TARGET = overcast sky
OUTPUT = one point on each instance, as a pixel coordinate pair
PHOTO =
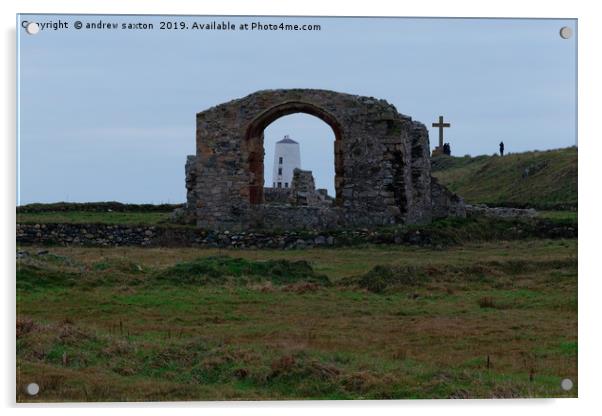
(110, 114)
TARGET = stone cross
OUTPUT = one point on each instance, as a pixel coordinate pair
(441, 125)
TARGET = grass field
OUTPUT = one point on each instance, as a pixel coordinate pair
(541, 179)
(92, 217)
(162, 218)
(496, 319)
(559, 215)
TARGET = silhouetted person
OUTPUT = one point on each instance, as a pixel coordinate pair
(501, 148)
(447, 149)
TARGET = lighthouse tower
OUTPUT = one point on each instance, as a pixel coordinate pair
(286, 159)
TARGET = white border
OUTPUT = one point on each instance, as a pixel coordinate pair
(590, 152)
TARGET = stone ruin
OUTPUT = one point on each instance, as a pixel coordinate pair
(302, 192)
(382, 167)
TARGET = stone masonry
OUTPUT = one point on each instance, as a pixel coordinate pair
(382, 164)
(304, 190)
(107, 235)
(444, 202)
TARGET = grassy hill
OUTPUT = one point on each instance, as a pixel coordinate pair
(539, 179)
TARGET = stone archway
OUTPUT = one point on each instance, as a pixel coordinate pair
(254, 139)
(382, 164)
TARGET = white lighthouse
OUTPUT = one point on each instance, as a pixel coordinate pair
(286, 158)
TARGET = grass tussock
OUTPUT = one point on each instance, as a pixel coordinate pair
(36, 277)
(499, 274)
(225, 269)
(50, 270)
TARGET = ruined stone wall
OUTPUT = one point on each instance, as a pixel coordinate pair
(381, 175)
(105, 235)
(444, 202)
(304, 188)
(187, 213)
(277, 195)
(292, 217)
(420, 176)
(190, 171)
(499, 212)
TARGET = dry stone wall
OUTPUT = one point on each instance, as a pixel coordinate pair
(104, 235)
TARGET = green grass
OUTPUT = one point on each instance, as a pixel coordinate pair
(567, 216)
(224, 269)
(113, 324)
(91, 217)
(551, 182)
(104, 206)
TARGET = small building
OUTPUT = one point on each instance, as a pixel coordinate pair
(287, 158)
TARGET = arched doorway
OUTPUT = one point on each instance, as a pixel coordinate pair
(255, 141)
(306, 136)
